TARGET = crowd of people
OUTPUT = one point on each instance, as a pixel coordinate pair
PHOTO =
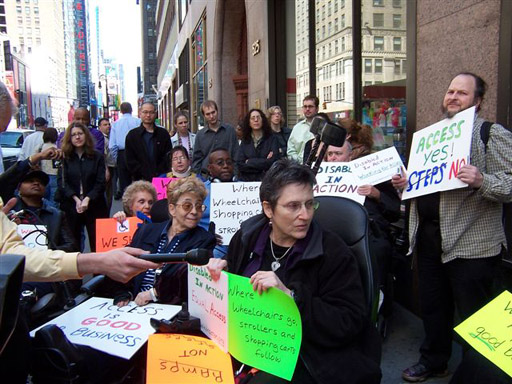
(69, 181)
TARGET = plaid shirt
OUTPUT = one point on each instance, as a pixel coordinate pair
(471, 219)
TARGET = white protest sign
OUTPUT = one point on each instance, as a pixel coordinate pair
(437, 153)
(118, 331)
(34, 236)
(336, 179)
(377, 167)
(208, 300)
(231, 204)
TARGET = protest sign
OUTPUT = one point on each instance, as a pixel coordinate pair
(34, 236)
(209, 301)
(111, 234)
(174, 358)
(231, 204)
(377, 167)
(337, 179)
(489, 331)
(160, 184)
(437, 153)
(119, 331)
(263, 331)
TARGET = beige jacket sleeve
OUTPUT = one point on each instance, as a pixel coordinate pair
(40, 265)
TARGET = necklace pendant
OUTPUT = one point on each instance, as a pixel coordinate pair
(275, 265)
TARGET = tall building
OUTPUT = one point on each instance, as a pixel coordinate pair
(149, 67)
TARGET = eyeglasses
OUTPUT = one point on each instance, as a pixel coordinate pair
(256, 117)
(187, 207)
(337, 153)
(308, 106)
(221, 162)
(180, 158)
(147, 112)
(77, 134)
(295, 206)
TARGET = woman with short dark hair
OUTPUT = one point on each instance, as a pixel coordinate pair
(284, 248)
(258, 149)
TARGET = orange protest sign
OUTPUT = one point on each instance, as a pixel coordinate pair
(175, 358)
(111, 234)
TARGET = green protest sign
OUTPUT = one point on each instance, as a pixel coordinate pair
(265, 330)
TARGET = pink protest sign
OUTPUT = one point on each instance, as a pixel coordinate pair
(160, 183)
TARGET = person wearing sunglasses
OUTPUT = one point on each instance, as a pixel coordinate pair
(284, 248)
(168, 284)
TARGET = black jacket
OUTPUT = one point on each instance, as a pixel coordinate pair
(90, 171)
(59, 233)
(282, 140)
(339, 345)
(172, 283)
(10, 179)
(137, 157)
(252, 162)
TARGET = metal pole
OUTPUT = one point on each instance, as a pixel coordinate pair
(312, 47)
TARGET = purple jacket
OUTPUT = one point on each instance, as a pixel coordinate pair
(99, 140)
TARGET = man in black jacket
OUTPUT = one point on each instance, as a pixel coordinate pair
(147, 147)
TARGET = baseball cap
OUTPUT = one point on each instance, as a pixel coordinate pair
(40, 175)
(40, 121)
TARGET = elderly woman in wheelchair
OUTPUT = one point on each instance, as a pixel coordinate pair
(285, 248)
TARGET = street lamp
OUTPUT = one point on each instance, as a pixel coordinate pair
(105, 109)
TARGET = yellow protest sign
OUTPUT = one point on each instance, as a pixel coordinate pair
(184, 359)
(489, 331)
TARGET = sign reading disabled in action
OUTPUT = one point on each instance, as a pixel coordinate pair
(489, 331)
(118, 331)
(160, 184)
(184, 359)
(263, 331)
(111, 234)
(437, 154)
(337, 179)
(231, 204)
(377, 167)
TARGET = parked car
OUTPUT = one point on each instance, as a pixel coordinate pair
(11, 142)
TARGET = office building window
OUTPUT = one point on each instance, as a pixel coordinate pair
(378, 43)
(397, 69)
(336, 25)
(378, 65)
(397, 43)
(397, 21)
(343, 21)
(378, 3)
(368, 65)
(378, 19)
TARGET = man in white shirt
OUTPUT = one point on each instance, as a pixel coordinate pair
(116, 144)
(34, 141)
(300, 133)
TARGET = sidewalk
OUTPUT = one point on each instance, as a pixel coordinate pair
(400, 349)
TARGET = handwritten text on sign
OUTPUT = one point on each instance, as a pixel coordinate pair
(184, 359)
(111, 234)
(437, 153)
(231, 204)
(160, 184)
(263, 331)
(209, 301)
(489, 331)
(377, 167)
(104, 326)
(336, 179)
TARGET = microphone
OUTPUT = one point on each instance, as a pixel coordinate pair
(194, 256)
(332, 134)
(316, 128)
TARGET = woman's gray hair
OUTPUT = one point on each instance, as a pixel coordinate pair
(132, 189)
(282, 173)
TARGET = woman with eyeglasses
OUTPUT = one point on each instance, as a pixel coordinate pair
(168, 284)
(258, 149)
(284, 248)
(81, 183)
(281, 132)
(179, 163)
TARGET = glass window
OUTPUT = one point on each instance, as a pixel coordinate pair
(378, 65)
(28, 19)
(397, 43)
(18, 8)
(343, 44)
(336, 47)
(397, 3)
(20, 20)
(378, 19)
(378, 43)
(336, 25)
(378, 3)
(368, 65)
(397, 67)
(397, 21)
(27, 10)
(343, 21)
(36, 10)
(404, 67)
(329, 30)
